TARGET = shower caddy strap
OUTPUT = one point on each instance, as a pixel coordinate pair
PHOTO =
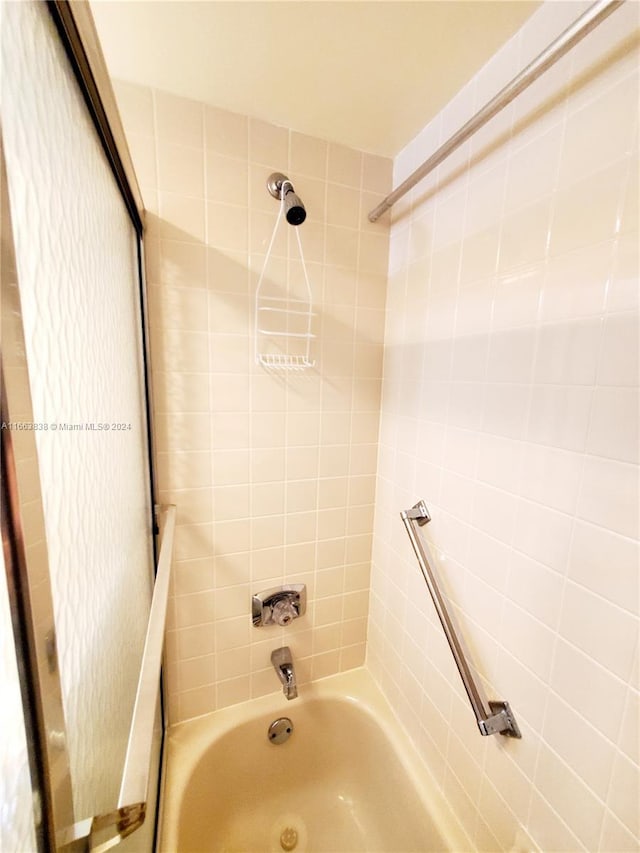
(102, 832)
(493, 717)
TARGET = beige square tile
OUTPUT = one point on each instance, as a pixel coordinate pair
(332, 492)
(227, 227)
(377, 173)
(231, 569)
(613, 430)
(230, 467)
(193, 541)
(182, 431)
(194, 609)
(267, 466)
(184, 470)
(619, 358)
(231, 314)
(323, 665)
(268, 145)
(232, 633)
(267, 499)
(266, 564)
(180, 169)
(301, 495)
(227, 271)
(340, 286)
(609, 495)
(226, 133)
(179, 120)
(227, 179)
(229, 393)
(345, 165)
(592, 547)
(308, 156)
(267, 532)
(191, 576)
(343, 206)
(326, 639)
(233, 691)
(231, 353)
(184, 392)
(229, 430)
(182, 264)
(182, 217)
(231, 502)
(232, 662)
(587, 212)
(342, 246)
(301, 462)
(352, 657)
(194, 703)
(300, 527)
(332, 523)
(232, 601)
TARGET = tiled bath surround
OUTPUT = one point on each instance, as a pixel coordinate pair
(510, 404)
(273, 475)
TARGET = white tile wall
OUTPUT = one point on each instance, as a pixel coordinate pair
(273, 475)
(510, 404)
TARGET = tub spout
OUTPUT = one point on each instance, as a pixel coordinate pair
(283, 665)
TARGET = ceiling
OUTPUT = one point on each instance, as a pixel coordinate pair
(366, 74)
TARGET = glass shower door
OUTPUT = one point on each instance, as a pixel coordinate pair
(78, 270)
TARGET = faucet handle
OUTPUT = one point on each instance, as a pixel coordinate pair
(279, 606)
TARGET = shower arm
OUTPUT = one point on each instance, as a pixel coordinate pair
(492, 717)
(102, 832)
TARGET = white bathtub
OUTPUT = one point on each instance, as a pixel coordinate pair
(346, 780)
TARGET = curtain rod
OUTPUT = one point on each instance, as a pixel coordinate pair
(569, 38)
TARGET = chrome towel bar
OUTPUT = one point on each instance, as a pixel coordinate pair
(493, 717)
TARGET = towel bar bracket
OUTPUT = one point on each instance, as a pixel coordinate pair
(418, 513)
(501, 722)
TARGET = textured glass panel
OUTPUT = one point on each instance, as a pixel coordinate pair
(77, 267)
(16, 816)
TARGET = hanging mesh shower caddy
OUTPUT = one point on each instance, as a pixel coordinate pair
(282, 324)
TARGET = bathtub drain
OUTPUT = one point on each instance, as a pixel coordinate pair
(288, 838)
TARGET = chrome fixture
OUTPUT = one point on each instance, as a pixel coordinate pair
(279, 606)
(280, 730)
(283, 665)
(492, 717)
(281, 188)
(569, 38)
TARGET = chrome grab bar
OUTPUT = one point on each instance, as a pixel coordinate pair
(105, 831)
(493, 717)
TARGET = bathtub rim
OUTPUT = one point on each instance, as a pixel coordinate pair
(187, 741)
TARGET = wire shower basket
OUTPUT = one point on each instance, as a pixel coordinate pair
(282, 324)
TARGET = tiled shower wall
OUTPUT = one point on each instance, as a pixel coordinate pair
(510, 404)
(273, 474)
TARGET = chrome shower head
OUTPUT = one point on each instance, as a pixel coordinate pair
(278, 184)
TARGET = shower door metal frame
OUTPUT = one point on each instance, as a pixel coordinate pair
(32, 615)
(30, 599)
